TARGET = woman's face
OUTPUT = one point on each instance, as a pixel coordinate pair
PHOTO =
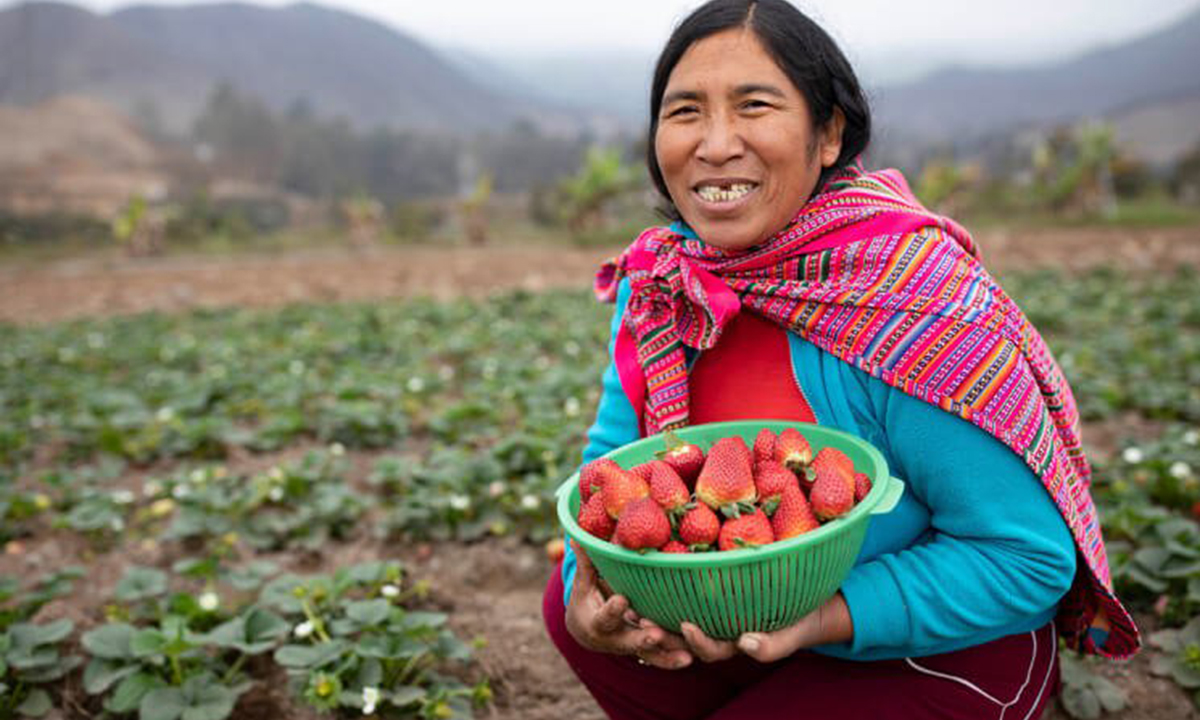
(735, 141)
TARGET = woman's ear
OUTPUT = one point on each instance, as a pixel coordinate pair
(831, 137)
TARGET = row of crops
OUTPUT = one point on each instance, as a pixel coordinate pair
(444, 420)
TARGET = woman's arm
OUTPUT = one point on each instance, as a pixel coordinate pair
(996, 557)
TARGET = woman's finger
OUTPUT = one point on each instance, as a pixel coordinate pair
(769, 647)
(706, 648)
(611, 616)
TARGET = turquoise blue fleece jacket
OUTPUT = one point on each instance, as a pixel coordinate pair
(974, 551)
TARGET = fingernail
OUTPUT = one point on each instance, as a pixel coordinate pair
(749, 644)
(682, 662)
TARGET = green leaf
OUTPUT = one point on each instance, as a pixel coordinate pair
(112, 641)
(1185, 675)
(165, 703)
(149, 642)
(1152, 558)
(207, 700)
(30, 635)
(369, 612)
(129, 694)
(36, 704)
(100, 674)
(1080, 703)
(140, 583)
(1111, 697)
(406, 695)
(309, 656)
(1166, 640)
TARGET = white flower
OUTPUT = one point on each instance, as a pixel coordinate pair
(571, 407)
(151, 488)
(179, 492)
(389, 591)
(337, 449)
(196, 476)
(495, 489)
(1133, 455)
(530, 502)
(415, 384)
(275, 494)
(296, 367)
(122, 497)
(304, 629)
(1191, 437)
(117, 524)
(370, 699)
(1180, 470)
(165, 414)
(209, 601)
(460, 502)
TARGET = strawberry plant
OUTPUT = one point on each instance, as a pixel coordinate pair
(1180, 658)
(1086, 694)
(357, 646)
(30, 657)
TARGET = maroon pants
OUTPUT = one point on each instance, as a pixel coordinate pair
(1012, 678)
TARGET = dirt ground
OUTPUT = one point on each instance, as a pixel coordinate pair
(107, 285)
(492, 589)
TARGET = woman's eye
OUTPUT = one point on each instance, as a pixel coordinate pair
(682, 110)
(756, 104)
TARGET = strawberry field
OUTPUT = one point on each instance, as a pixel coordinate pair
(325, 510)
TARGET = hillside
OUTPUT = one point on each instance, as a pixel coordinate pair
(170, 57)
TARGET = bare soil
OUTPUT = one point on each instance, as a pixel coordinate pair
(111, 285)
(492, 589)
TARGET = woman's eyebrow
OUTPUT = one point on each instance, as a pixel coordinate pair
(751, 88)
(681, 95)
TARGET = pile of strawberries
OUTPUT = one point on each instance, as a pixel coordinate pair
(735, 497)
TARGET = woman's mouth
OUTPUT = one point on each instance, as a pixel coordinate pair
(724, 195)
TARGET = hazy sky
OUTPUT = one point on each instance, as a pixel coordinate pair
(999, 31)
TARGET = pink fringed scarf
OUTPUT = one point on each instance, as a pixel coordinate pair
(866, 273)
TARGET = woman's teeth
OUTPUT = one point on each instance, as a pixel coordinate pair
(712, 193)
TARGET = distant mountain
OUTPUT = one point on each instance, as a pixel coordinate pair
(963, 104)
(170, 57)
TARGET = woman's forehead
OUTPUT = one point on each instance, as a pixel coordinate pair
(730, 62)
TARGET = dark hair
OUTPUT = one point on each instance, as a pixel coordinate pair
(805, 53)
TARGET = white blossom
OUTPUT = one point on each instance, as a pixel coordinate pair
(304, 629)
(1133, 455)
(165, 414)
(296, 367)
(151, 488)
(122, 497)
(530, 502)
(460, 502)
(275, 494)
(337, 449)
(495, 489)
(209, 601)
(571, 407)
(370, 699)
(415, 384)
(389, 591)
(1180, 470)
(179, 492)
(196, 476)
(1191, 437)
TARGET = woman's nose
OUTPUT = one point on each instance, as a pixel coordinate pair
(721, 142)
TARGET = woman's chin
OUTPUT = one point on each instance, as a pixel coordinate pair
(727, 236)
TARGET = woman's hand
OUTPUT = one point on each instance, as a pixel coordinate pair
(608, 625)
(829, 623)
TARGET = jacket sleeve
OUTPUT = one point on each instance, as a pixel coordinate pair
(995, 556)
(616, 421)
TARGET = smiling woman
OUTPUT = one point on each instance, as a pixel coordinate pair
(795, 285)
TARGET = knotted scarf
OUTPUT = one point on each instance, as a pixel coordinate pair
(866, 273)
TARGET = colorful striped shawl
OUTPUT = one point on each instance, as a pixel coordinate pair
(868, 274)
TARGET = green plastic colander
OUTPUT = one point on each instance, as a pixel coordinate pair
(735, 591)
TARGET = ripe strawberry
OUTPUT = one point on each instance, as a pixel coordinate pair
(594, 519)
(642, 470)
(699, 527)
(643, 526)
(726, 481)
(684, 458)
(667, 488)
(620, 489)
(794, 516)
(593, 475)
(675, 546)
(832, 493)
(770, 480)
(764, 446)
(829, 459)
(792, 450)
(746, 531)
(862, 486)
